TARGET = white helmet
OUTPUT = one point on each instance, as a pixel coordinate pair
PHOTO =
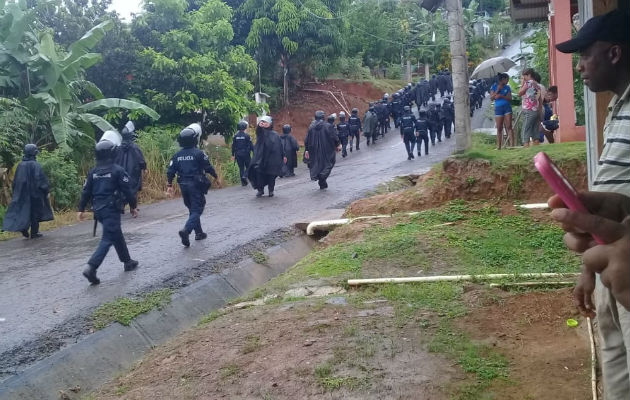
(112, 136)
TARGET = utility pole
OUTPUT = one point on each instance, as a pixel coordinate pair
(459, 61)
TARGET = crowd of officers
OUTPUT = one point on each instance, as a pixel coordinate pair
(117, 177)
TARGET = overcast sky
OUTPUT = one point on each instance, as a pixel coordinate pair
(126, 7)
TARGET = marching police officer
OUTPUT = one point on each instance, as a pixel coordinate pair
(191, 164)
(433, 115)
(447, 116)
(354, 126)
(343, 131)
(103, 186)
(407, 130)
(422, 132)
(370, 122)
(397, 108)
(242, 149)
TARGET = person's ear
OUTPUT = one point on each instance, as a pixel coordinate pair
(615, 54)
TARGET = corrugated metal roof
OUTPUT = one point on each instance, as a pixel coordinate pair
(534, 11)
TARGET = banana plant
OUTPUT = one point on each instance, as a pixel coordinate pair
(49, 82)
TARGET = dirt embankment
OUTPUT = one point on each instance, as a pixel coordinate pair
(468, 179)
(309, 99)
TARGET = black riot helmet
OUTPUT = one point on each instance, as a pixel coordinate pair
(407, 109)
(371, 107)
(396, 95)
(286, 128)
(104, 150)
(187, 138)
(355, 111)
(319, 115)
(30, 150)
(342, 116)
(242, 125)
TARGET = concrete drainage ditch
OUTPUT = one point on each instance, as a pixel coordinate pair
(90, 363)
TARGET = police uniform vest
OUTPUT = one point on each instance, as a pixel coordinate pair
(354, 124)
(407, 124)
(422, 125)
(241, 144)
(343, 129)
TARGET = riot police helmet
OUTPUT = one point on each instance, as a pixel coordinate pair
(396, 95)
(242, 125)
(319, 115)
(342, 115)
(187, 138)
(128, 130)
(407, 109)
(355, 111)
(386, 96)
(112, 136)
(286, 128)
(105, 150)
(30, 150)
(332, 117)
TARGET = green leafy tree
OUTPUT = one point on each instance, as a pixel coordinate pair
(293, 32)
(188, 70)
(48, 83)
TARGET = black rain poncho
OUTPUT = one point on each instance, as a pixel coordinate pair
(268, 156)
(130, 157)
(321, 144)
(30, 194)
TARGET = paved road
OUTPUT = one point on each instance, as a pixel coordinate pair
(41, 286)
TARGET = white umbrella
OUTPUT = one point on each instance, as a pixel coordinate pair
(491, 67)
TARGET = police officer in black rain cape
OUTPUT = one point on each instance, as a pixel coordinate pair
(291, 148)
(269, 158)
(320, 147)
(29, 205)
(130, 157)
(191, 164)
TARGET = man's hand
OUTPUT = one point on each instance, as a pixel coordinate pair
(607, 210)
(232, 158)
(80, 216)
(338, 148)
(169, 192)
(612, 261)
(285, 160)
(134, 212)
(583, 294)
(306, 155)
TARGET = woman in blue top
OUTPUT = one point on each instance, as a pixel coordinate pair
(501, 93)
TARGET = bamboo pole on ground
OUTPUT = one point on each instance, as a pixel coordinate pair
(457, 278)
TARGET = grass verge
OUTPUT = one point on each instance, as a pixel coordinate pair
(124, 309)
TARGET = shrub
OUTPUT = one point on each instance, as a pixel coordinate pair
(3, 211)
(65, 183)
(158, 145)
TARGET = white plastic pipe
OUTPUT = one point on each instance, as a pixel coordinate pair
(593, 359)
(533, 206)
(447, 278)
(325, 225)
(328, 225)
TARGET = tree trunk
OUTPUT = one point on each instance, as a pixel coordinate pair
(427, 71)
(285, 80)
(408, 71)
(457, 38)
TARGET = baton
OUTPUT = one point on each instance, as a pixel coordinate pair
(94, 229)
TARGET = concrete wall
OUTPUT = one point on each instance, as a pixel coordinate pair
(561, 70)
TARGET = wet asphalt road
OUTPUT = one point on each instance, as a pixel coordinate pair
(41, 286)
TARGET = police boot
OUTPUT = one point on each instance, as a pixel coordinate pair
(323, 184)
(260, 193)
(25, 233)
(36, 235)
(408, 156)
(90, 275)
(201, 236)
(243, 182)
(270, 194)
(131, 265)
(184, 236)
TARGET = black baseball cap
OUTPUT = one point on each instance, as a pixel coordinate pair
(611, 27)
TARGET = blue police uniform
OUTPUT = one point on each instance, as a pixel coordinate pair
(343, 131)
(407, 127)
(354, 126)
(242, 148)
(104, 186)
(191, 165)
(422, 134)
